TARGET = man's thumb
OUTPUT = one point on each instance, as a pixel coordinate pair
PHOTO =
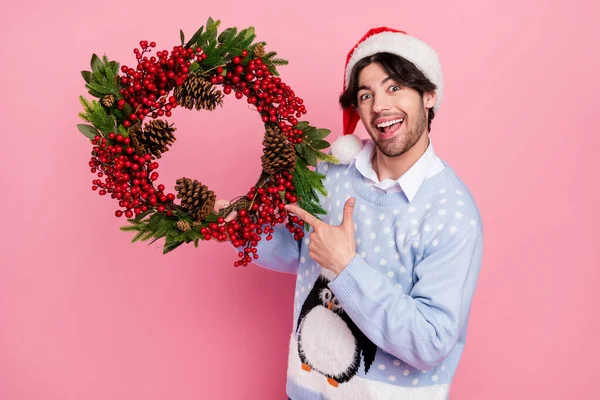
(348, 210)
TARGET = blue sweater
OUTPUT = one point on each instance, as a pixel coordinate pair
(393, 324)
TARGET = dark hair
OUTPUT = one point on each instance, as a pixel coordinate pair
(399, 69)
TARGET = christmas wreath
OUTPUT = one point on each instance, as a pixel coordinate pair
(128, 133)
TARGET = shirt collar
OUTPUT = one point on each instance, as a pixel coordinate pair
(409, 182)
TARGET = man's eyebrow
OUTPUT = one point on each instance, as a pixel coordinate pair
(366, 87)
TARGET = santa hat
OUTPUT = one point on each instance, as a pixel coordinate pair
(380, 40)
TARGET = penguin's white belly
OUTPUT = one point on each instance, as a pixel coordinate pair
(327, 342)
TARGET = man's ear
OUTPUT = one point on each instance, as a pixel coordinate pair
(429, 99)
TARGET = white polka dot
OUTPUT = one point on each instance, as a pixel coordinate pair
(372, 235)
(340, 217)
(442, 191)
(358, 241)
(397, 256)
(337, 203)
(396, 211)
(406, 372)
(337, 174)
(440, 227)
(443, 201)
(401, 237)
(299, 277)
(458, 215)
(307, 241)
(434, 242)
(381, 217)
(428, 206)
(297, 294)
(460, 203)
(443, 367)
(386, 229)
(346, 172)
(302, 259)
(452, 230)
(347, 185)
(459, 192)
(424, 371)
(391, 274)
(355, 226)
(414, 221)
(398, 224)
(404, 250)
(377, 249)
(327, 180)
(392, 378)
(363, 207)
(397, 362)
(427, 228)
(442, 212)
(403, 269)
(412, 209)
(307, 273)
(415, 244)
(302, 289)
(381, 366)
(415, 381)
(391, 243)
(363, 254)
(329, 207)
(330, 221)
(367, 221)
(473, 222)
(337, 189)
(383, 261)
(414, 233)
(434, 378)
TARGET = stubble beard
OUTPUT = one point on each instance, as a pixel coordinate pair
(403, 142)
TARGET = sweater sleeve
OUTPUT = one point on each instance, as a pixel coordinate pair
(281, 254)
(423, 327)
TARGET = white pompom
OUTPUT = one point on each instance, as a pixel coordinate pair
(346, 147)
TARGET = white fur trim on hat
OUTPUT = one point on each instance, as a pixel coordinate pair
(346, 147)
(409, 47)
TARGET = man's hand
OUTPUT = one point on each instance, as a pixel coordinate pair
(333, 247)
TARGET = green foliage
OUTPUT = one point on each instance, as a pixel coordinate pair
(159, 225)
(220, 48)
(98, 116)
(308, 185)
(103, 79)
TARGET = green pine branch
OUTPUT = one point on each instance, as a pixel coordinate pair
(97, 116)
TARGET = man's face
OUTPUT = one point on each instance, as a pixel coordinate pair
(393, 115)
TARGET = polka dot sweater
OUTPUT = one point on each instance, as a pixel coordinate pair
(393, 323)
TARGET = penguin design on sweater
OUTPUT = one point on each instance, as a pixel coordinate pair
(328, 341)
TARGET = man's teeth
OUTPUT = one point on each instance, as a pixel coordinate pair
(390, 123)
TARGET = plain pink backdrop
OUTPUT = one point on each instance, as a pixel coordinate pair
(84, 314)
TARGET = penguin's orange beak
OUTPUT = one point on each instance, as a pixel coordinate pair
(330, 305)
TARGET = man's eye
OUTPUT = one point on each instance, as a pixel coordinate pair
(365, 96)
(394, 88)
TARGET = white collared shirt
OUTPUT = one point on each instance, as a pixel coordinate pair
(426, 166)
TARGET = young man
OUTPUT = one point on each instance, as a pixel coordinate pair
(385, 282)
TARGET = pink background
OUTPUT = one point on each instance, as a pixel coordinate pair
(86, 315)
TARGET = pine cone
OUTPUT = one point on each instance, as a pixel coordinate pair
(108, 100)
(195, 198)
(154, 139)
(196, 92)
(259, 51)
(278, 153)
(183, 226)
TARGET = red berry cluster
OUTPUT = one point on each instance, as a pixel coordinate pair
(127, 177)
(267, 209)
(274, 100)
(146, 87)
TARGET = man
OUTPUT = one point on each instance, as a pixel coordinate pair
(385, 282)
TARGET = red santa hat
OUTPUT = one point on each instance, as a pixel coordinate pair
(380, 40)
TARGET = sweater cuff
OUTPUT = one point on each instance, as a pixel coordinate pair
(346, 286)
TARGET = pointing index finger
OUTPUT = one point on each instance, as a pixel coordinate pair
(304, 215)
